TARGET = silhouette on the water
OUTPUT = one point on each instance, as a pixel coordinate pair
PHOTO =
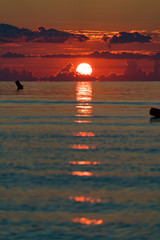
(19, 85)
(155, 112)
(154, 120)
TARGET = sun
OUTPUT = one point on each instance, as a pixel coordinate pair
(84, 69)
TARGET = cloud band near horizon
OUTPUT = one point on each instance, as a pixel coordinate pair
(95, 54)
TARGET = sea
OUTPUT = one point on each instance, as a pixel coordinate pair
(79, 160)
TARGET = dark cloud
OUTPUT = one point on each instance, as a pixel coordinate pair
(13, 75)
(121, 55)
(96, 54)
(103, 54)
(9, 33)
(105, 38)
(156, 56)
(55, 36)
(4, 40)
(63, 55)
(67, 69)
(13, 55)
(134, 73)
(65, 74)
(127, 37)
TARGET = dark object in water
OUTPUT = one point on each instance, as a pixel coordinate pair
(19, 85)
(155, 112)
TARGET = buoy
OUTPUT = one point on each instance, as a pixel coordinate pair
(155, 112)
(19, 85)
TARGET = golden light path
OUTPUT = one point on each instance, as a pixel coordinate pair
(87, 221)
(84, 98)
(84, 163)
(84, 69)
(80, 167)
(85, 199)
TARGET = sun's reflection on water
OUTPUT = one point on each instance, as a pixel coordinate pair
(87, 221)
(83, 114)
(82, 174)
(84, 163)
(84, 97)
(85, 199)
(82, 121)
(84, 134)
(82, 146)
(83, 143)
(84, 91)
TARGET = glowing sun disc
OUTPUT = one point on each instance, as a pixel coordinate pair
(84, 69)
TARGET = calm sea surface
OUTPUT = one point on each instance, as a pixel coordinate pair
(79, 161)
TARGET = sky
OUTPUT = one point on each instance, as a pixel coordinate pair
(89, 30)
(105, 15)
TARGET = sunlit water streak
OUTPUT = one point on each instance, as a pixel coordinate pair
(79, 161)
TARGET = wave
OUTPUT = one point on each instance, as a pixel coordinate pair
(49, 102)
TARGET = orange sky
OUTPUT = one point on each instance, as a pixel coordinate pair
(96, 19)
(105, 15)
